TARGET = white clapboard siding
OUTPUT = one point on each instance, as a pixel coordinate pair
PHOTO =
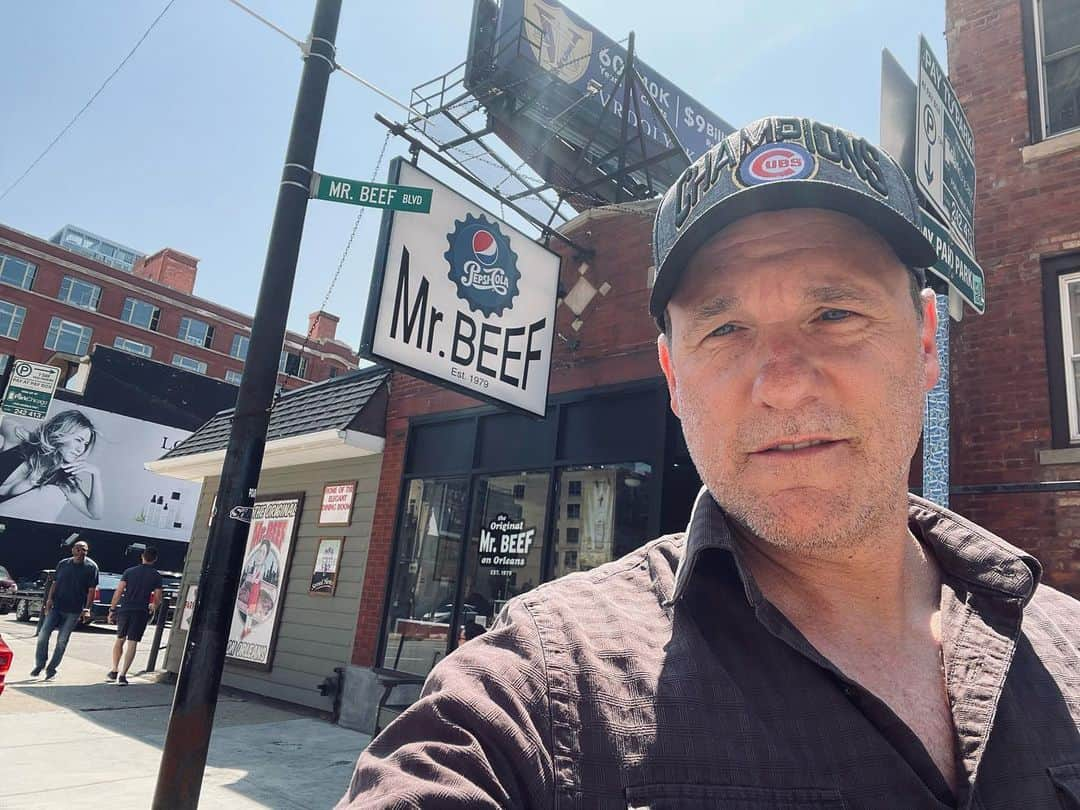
(316, 632)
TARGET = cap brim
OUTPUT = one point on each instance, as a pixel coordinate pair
(906, 240)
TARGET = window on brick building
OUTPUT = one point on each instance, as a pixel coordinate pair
(1061, 308)
(133, 346)
(67, 337)
(293, 364)
(233, 376)
(196, 332)
(239, 348)
(140, 313)
(80, 293)
(17, 272)
(189, 363)
(1069, 290)
(1056, 62)
(11, 320)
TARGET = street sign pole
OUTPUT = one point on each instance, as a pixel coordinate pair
(191, 721)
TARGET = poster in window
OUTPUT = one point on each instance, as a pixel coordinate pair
(327, 563)
(337, 504)
(267, 555)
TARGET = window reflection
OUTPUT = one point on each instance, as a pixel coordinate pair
(604, 514)
(425, 576)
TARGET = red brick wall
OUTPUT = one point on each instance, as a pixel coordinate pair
(616, 343)
(54, 262)
(1024, 214)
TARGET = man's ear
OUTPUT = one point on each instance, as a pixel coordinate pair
(663, 350)
(928, 340)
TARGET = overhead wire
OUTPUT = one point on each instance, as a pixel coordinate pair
(91, 100)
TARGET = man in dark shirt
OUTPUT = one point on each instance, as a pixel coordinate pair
(817, 637)
(68, 601)
(138, 595)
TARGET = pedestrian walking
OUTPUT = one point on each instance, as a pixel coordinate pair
(137, 597)
(67, 603)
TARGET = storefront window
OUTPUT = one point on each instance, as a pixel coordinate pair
(506, 545)
(425, 574)
(603, 514)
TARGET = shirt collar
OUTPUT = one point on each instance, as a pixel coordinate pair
(965, 551)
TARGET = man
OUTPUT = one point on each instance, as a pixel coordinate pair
(136, 598)
(817, 637)
(67, 603)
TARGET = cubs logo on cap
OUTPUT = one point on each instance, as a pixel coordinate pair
(779, 163)
(770, 162)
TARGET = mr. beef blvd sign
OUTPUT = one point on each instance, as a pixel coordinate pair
(462, 299)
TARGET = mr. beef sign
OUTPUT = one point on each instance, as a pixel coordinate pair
(462, 299)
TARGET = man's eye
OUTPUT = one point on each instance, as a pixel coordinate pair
(836, 315)
(721, 331)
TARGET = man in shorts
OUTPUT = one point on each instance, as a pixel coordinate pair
(136, 598)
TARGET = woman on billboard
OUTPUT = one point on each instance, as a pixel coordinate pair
(51, 459)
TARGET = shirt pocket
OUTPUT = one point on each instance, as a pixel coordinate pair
(1066, 779)
(731, 797)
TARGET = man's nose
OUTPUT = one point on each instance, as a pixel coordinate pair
(786, 375)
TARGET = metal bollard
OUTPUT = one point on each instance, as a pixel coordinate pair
(159, 628)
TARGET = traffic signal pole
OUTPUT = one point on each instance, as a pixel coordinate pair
(187, 740)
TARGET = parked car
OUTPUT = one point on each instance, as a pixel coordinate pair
(8, 589)
(6, 657)
(30, 595)
(170, 587)
(99, 611)
(444, 611)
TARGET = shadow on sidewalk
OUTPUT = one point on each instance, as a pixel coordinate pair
(269, 754)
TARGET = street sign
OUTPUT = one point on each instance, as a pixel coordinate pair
(30, 389)
(372, 195)
(945, 149)
(955, 265)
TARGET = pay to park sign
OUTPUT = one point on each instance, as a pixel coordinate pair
(462, 299)
(944, 149)
(30, 389)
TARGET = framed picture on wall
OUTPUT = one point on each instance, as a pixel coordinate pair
(263, 579)
(337, 503)
(327, 564)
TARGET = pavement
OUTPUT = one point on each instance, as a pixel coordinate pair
(81, 742)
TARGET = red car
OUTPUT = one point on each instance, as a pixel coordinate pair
(6, 657)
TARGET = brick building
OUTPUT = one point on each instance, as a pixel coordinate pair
(1015, 65)
(57, 301)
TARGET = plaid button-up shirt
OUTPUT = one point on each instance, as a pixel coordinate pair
(666, 680)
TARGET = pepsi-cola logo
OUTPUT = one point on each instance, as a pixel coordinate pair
(773, 162)
(483, 266)
(486, 248)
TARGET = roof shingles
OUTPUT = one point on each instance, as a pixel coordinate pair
(329, 405)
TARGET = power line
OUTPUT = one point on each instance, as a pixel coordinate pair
(86, 106)
(303, 46)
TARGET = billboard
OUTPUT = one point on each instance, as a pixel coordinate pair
(548, 78)
(84, 467)
(462, 299)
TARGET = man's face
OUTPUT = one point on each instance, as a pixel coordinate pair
(79, 550)
(791, 327)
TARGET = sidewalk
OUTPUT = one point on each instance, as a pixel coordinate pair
(80, 742)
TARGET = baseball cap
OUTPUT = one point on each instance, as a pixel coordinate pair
(779, 163)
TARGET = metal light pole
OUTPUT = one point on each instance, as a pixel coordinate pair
(187, 740)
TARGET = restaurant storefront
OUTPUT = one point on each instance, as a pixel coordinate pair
(494, 504)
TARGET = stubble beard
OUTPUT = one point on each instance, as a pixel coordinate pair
(852, 512)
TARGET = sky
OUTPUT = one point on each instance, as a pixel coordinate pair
(185, 147)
